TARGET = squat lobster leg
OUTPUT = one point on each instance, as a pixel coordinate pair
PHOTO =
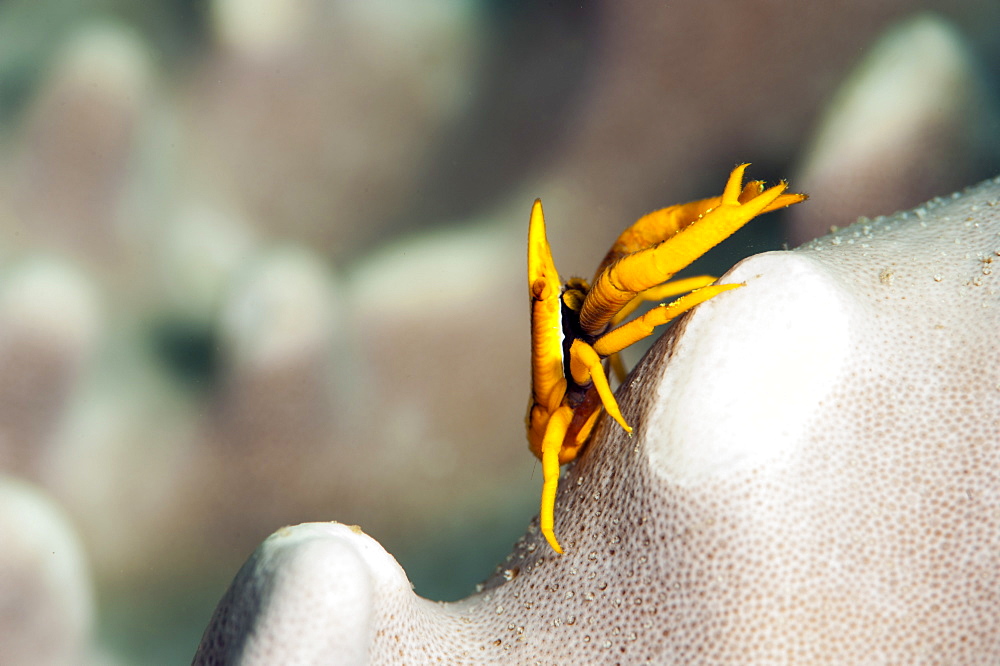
(551, 445)
(658, 293)
(628, 334)
(586, 367)
(622, 281)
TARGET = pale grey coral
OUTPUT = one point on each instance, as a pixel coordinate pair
(46, 595)
(915, 115)
(50, 321)
(155, 194)
(813, 479)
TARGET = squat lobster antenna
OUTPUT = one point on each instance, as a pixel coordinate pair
(569, 322)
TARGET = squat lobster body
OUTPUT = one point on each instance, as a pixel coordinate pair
(570, 336)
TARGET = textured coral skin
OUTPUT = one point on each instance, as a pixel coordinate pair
(815, 479)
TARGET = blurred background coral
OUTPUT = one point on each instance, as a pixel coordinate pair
(262, 261)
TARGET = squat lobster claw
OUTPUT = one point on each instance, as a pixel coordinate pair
(569, 322)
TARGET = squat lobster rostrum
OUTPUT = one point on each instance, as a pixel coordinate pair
(570, 336)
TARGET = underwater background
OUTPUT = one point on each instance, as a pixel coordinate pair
(262, 262)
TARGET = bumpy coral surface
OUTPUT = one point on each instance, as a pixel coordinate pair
(813, 479)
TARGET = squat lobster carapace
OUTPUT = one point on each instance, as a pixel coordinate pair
(570, 336)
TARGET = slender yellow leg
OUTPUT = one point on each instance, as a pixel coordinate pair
(554, 435)
(585, 366)
(620, 282)
(662, 292)
(628, 334)
(653, 294)
(617, 367)
(655, 227)
(716, 225)
(660, 225)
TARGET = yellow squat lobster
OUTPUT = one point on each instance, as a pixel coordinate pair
(570, 336)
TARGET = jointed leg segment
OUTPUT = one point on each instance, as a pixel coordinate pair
(657, 293)
(586, 366)
(661, 292)
(623, 280)
(554, 434)
(628, 334)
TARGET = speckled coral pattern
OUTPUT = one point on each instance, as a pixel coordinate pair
(872, 535)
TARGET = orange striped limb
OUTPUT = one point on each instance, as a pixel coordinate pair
(658, 293)
(622, 281)
(658, 226)
(570, 340)
(551, 445)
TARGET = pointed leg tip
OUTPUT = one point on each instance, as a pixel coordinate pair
(619, 419)
(731, 192)
(551, 538)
